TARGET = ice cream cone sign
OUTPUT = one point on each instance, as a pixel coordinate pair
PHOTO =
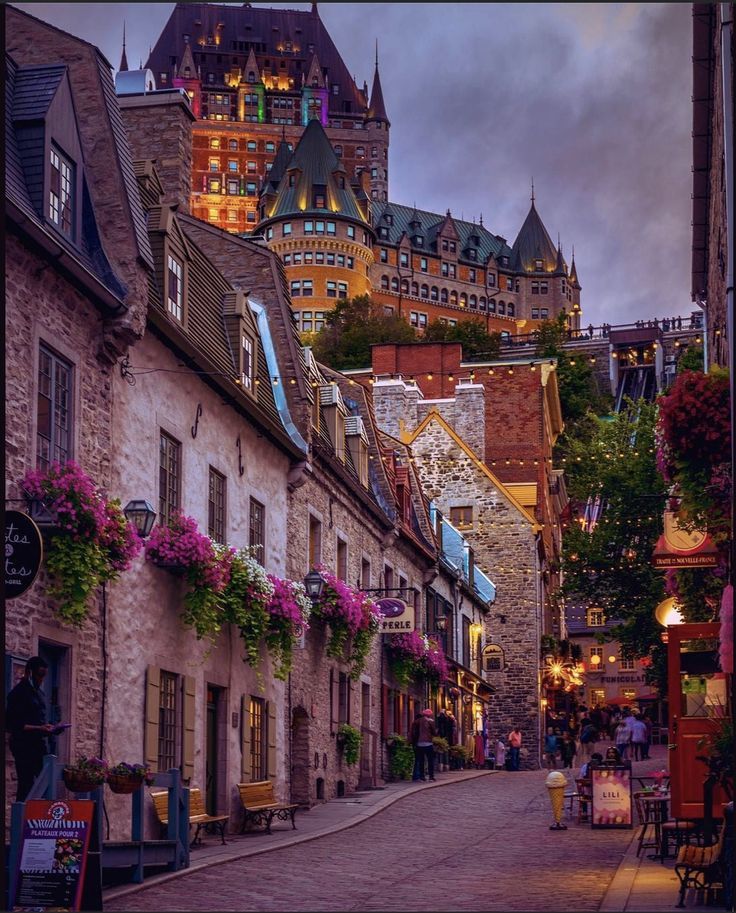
(556, 783)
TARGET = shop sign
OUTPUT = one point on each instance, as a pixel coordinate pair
(53, 855)
(680, 547)
(493, 658)
(398, 616)
(622, 679)
(611, 805)
(23, 553)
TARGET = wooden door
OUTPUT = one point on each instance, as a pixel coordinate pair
(697, 694)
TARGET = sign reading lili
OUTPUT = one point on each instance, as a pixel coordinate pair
(398, 617)
(611, 788)
(23, 553)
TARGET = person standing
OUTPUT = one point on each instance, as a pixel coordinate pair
(514, 740)
(568, 749)
(550, 749)
(422, 732)
(588, 735)
(648, 723)
(622, 738)
(639, 739)
(26, 723)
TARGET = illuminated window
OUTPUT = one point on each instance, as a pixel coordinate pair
(257, 530)
(214, 164)
(595, 618)
(627, 665)
(258, 722)
(246, 365)
(462, 517)
(214, 142)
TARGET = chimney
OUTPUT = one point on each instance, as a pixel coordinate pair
(159, 127)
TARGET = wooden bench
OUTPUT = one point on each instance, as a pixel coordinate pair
(260, 805)
(197, 813)
(699, 867)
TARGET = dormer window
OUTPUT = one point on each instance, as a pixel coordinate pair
(538, 265)
(418, 240)
(473, 254)
(175, 290)
(61, 198)
(389, 218)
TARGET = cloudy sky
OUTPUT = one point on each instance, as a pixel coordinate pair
(592, 100)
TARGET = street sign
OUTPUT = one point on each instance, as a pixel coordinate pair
(398, 616)
(23, 553)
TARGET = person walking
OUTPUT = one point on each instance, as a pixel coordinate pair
(588, 735)
(422, 732)
(622, 737)
(568, 750)
(647, 744)
(550, 749)
(638, 738)
(25, 720)
(514, 740)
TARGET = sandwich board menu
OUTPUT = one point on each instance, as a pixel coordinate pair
(53, 855)
(611, 788)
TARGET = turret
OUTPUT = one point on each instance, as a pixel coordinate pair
(188, 79)
(123, 58)
(315, 95)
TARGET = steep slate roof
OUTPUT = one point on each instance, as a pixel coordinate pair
(377, 108)
(533, 243)
(319, 167)
(280, 163)
(29, 94)
(266, 29)
(430, 224)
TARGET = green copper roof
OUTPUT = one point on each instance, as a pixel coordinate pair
(533, 243)
(315, 169)
(400, 217)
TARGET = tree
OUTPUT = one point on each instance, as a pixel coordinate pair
(610, 565)
(471, 333)
(352, 328)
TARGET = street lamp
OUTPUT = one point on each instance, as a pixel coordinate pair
(142, 515)
(314, 583)
(441, 622)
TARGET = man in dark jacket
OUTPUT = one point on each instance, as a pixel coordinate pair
(26, 723)
(421, 735)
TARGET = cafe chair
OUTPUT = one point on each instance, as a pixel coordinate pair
(681, 830)
(646, 816)
(584, 790)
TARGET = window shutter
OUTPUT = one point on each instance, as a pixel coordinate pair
(188, 729)
(271, 735)
(350, 699)
(334, 702)
(150, 732)
(245, 739)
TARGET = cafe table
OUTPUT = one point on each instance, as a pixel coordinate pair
(655, 806)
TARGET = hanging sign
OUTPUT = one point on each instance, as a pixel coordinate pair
(398, 616)
(680, 547)
(53, 854)
(611, 804)
(23, 553)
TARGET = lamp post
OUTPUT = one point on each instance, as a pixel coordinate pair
(142, 515)
(314, 583)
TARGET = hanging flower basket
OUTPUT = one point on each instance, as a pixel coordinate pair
(124, 784)
(84, 776)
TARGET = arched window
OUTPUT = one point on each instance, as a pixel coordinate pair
(443, 296)
(510, 310)
(501, 307)
(463, 300)
(424, 291)
(405, 286)
(453, 298)
(394, 284)
(384, 283)
(338, 150)
(492, 305)
(473, 302)
(482, 303)
(415, 289)
(435, 293)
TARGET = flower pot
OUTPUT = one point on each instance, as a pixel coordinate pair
(124, 784)
(79, 783)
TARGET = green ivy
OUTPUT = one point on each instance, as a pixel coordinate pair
(402, 757)
(405, 669)
(361, 647)
(77, 567)
(249, 615)
(352, 740)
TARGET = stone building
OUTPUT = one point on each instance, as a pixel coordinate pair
(447, 436)
(712, 221)
(77, 259)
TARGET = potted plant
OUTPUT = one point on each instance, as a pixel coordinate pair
(84, 776)
(126, 778)
(458, 757)
(401, 755)
(90, 541)
(349, 740)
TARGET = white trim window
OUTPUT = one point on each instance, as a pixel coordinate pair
(175, 294)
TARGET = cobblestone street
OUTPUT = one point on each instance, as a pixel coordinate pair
(483, 844)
